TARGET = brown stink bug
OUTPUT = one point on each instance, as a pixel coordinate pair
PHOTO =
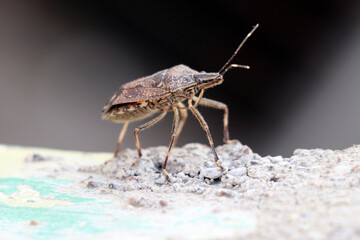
(166, 91)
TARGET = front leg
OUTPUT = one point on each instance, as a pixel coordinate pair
(198, 98)
(204, 125)
(221, 106)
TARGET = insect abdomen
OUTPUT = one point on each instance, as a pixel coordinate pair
(130, 112)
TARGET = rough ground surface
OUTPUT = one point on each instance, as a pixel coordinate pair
(315, 194)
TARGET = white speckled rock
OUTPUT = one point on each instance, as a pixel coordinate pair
(237, 172)
(212, 173)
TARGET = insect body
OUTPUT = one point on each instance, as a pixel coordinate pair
(176, 89)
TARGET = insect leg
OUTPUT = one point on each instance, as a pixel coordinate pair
(121, 138)
(197, 100)
(184, 114)
(174, 129)
(142, 128)
(204, 125)
(221, 106)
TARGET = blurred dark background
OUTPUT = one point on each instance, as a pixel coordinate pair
(60, 62)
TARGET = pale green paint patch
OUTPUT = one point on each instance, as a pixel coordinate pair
(91, 217)
(45, 186)
(81, 217)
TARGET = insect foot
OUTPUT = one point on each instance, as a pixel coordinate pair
(231, 141)
(136, 162)
(166, 175)
(221, 167)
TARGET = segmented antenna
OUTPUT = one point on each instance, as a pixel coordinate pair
(227, 65)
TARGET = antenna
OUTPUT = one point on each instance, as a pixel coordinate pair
(227, 65)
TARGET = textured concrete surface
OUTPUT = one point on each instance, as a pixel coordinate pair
(314, 194)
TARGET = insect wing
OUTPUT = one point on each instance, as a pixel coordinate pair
(133, 95)
(137, 94)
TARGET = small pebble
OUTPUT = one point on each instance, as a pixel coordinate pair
(91, 184)
(275, 159)
(163, 203)
(33, 223)
(212, 173)
(342, 170)
(142, 202)
(182, 176)
(225, 193)
(133, 202)
(37, 158)
(160, 180)
(237, 172)
(274, 179)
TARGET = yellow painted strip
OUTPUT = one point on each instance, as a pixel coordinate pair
(12, 158)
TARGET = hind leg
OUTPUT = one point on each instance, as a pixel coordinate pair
(121, 138)
(142, 128)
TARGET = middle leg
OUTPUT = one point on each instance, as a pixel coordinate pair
(183, 114)
(174, 130)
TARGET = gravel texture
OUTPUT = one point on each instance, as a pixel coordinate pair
(314, 194)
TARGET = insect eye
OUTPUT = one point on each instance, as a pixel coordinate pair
(198, 79)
